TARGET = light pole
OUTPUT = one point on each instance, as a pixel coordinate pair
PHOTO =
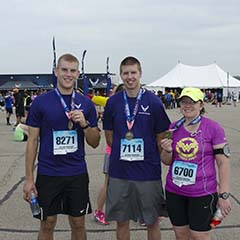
(228, 94)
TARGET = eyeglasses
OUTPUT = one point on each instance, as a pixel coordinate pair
(187, 102)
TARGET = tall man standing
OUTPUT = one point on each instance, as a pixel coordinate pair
(61, 119)
(134, 124)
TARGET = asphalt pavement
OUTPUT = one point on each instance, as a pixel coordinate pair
(16, 221)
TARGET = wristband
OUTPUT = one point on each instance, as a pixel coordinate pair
(85, 127)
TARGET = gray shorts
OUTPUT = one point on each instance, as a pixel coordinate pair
(106, 163)
(135, 200)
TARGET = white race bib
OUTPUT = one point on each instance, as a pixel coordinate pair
(132, 150)
(64, 142)
(184, 173)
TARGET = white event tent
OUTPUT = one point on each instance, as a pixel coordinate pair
(204, 77)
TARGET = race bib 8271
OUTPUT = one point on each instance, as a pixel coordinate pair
(64, 142)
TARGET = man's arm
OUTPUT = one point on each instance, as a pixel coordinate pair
(30, 157)
(92, 136)
(109, 137)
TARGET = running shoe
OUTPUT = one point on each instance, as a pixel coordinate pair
(99, 217)
(142, 224)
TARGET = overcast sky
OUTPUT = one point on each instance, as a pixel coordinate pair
(159, 33)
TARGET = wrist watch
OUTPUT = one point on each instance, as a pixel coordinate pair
(225, 150)
(224, 195)
(85, 127)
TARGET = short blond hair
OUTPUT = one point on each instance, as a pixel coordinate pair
(69, 58)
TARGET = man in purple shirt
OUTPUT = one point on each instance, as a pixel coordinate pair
(134, 123)
(61, 119)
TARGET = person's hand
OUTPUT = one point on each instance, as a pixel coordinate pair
(225, 206)
(77, 116)
(166, 144)
(28, 188)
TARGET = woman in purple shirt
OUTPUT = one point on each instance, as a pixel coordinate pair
(192, 146)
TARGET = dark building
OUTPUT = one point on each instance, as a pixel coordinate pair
(96, 81)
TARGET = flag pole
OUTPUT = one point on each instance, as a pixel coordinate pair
(109, 83)
(54, 78)
(84, 77)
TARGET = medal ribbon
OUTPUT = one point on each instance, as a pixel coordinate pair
(130, 119)
(181, 121)
(65, 107)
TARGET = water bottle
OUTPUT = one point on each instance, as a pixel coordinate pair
(217, 218)
(34, 204)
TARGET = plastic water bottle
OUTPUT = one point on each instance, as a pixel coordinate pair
(217, 218)
(34, 204)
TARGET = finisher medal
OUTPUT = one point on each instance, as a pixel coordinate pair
(129, 135)
(70, 125)
(131, 119)
(168, 134)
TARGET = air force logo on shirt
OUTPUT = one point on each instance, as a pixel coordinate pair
(144, 110)
(77, 105)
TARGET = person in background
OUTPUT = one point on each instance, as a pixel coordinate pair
(21, 133)
(19, 104)
(90, 93)
(8, 106)
(234, 98)
(168, 99)
(99, 214)
(219, 97)
(61, 120)
(134, 124)
(2, 102)
(191, 149)
(33, 95)
(173, 102)
(27, 102)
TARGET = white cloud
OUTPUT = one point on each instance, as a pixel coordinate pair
(158, 32)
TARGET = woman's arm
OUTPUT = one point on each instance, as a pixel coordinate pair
(223, 164)
(165, 149)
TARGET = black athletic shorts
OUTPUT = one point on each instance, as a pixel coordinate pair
(9, 110)
(193, 211)
(63, 195)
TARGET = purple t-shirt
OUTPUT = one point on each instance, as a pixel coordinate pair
(196, 149)
(47, 113)
(150, 120)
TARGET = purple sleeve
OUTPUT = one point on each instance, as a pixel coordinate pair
(217, 133)
(34, 118)
(92, 115)
(107, 116)
(161, 119)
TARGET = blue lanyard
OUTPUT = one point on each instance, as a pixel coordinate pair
(181, 121)
(65, 107)
(130, 119)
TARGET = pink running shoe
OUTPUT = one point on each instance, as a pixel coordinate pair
(99, 217)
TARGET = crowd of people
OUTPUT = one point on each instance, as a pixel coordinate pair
(18, 100)
(140, 138)
(170, 97)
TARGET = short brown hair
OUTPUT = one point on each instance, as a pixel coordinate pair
(130, 61)
(69, 58)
